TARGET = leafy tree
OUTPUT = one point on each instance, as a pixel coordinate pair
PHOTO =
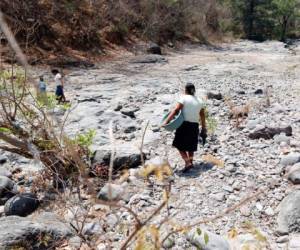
(254, 16)
(285, 11)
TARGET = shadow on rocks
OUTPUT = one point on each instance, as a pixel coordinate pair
(197, 170)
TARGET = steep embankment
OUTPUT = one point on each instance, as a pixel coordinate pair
(77, 32)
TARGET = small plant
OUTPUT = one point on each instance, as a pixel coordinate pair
(211, 122)
(66, 106)
(85, 140)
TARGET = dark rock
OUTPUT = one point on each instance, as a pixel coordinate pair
(281, 138)
(118, 107)
(124, 158)
(154, 49)
(128, 112)
(216, 96)
(26, 231)
(3, 159)
(6, 189)
(192, 68)
(21, 205)
(269, 133)
(130, 129)
(288, 219)
(149, 59)
(91, 99)
(258, 92)
(241, 92)
(70, 62)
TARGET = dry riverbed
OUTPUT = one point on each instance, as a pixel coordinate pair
(128, 93)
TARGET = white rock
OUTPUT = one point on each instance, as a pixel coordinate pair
(294, 242)
(282, 239)
(269, 211)
(245, 211)
(218, 196)
(259, 206)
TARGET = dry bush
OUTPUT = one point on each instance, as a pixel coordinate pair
(238, 113)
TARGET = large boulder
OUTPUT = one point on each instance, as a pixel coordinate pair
(126, 156)
(25, 232)
(288, 219)
(5, 172)
(21, 204)
(269, 133)
(293, 174)
(206, 240)
(7, 189)
(216, 96)
(290, 159)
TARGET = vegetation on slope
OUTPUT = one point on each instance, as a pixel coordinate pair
(59, 27)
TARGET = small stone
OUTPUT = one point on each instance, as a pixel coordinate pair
(228, 189)
(3, 159)
(111, 192)
(269, 211)
(252, 124)
(169, 243)
(245, 211)
(218, 197)
(282, 239)
(118, 107)
(236, 186)
(99, 207)
(258, 92)
(128, 112)
(75, 242)
(295, 242)
(259, 206)
(112, 220)
(102, 246)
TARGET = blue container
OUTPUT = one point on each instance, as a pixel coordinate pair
(175, 123)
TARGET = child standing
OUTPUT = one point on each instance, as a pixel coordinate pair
(60, 96)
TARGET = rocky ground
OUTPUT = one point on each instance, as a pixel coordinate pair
(262, 153)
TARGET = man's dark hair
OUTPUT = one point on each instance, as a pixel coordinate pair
(190, 89)
(54, 71)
